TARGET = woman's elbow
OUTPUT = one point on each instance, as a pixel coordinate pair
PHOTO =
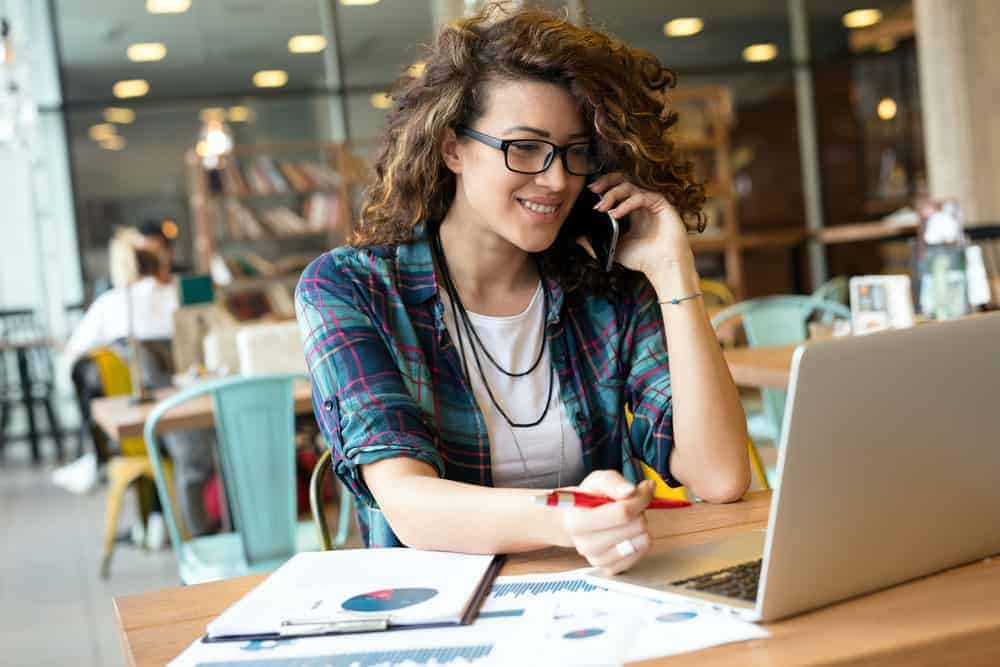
(724, 488)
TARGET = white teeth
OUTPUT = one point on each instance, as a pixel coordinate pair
(537, 208)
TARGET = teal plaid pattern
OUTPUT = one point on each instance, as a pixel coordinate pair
(387, 380)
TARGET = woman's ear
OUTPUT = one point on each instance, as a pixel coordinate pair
(450, 152)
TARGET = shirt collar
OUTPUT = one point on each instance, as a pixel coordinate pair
(418, 284)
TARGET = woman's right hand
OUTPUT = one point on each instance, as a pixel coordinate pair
(613, 537)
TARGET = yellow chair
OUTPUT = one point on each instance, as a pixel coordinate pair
(661, 489)
(132, 466)
(716, 293)
(324, 467)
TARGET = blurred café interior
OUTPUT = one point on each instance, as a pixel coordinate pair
(224, 144)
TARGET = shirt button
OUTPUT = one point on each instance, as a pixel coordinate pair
(328, 405)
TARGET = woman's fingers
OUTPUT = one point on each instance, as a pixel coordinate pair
(622, 555)
(615, 195)
(599, 545)
(605, 181)
(580, 521)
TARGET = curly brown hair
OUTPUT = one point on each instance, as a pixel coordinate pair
(620, 92)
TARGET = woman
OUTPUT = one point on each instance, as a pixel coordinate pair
(466, 351)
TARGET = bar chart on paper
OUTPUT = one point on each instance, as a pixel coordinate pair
(444, 655)
(518, 589)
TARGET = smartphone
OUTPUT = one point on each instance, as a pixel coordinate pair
(602, 231)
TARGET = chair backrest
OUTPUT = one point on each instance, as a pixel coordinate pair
(316, 484)
(719, 292)
(778, 320)
(112, 370)
(255, 426)
(834, 289)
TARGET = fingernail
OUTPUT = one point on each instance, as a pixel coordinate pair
(649, 485)
(640, 542)
(599, 202)
(592, 186)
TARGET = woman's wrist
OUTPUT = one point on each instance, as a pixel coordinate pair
(675, 276)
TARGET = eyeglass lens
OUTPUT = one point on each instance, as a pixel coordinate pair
(532, 156)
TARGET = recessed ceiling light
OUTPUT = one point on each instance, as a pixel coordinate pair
(886, 109)
(147, 52)
(167, 6)
(684, 27)
(270, 78)
(130, 88)
(307, 43)
(119, 115)
(212, 113)
(238, 114)
(861, 18)
(115, 143)
(381, 101)
(417, 69)
(358, 2)
(760, 53)
(101, 131)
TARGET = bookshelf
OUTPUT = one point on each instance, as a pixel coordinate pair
(269, 208)
(702, 134)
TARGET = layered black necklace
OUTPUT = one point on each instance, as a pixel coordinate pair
(462, 321)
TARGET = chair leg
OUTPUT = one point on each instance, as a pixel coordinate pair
(54, 427)
(4, 416)
(344, 522)
(120, 477)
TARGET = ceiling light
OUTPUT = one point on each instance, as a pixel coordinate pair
(146, 52)
(861, 18)
(760, 53)
(101, 131)
(683, 27)
(270, 78)
(886, 109)
(307, 43)
(381, 101)
(115, 143)
(238, 114)
(119, 115)
(167, 6)
(212, 113)
(417, 69)
(358, 2)
(130, 88)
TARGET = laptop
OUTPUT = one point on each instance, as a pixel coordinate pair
(888, 470)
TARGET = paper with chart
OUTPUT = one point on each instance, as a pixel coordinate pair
(552, 619)
(412, 586)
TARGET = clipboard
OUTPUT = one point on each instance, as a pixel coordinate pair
(346, 620)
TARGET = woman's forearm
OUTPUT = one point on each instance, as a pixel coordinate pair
(709, 424)
(428, 512)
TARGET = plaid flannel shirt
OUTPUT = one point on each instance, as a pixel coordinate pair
(387, 379)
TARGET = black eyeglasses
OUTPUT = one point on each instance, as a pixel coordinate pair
(533, 156)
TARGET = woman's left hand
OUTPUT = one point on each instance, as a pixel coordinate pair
(657, 233)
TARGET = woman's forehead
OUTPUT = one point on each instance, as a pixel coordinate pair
(533, 104)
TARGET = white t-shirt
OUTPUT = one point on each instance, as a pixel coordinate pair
(552, 452)
(153, 306)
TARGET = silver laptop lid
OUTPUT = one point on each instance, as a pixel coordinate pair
(894, 466)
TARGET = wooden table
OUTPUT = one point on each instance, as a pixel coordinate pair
(120, 419)
(769, 367)
(949, 618)
(752, 367)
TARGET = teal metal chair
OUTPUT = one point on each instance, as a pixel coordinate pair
(316, 484)
(255, 428)
(776, 320)
(834, 289)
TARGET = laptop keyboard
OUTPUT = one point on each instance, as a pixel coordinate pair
(737, 581)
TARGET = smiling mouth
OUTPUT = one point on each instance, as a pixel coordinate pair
(538, 208)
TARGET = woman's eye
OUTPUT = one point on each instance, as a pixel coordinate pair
(525, 147)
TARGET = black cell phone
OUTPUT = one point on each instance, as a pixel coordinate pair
(602, 231)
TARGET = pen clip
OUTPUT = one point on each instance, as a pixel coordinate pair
(322, 626)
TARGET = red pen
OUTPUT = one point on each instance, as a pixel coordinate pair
(578, 499)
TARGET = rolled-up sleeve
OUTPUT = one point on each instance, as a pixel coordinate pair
(361, 402)
(648, 390)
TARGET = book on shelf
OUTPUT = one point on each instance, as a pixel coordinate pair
(322, 211)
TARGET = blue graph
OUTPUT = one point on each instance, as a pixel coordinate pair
(584, 633)
(422, 656)
(389, 599)
(538, 587)
(676, 617)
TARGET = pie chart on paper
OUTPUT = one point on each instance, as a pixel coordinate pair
(389, 599)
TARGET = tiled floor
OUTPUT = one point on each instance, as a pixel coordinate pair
(54, 608)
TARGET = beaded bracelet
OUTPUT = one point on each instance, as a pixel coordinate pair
(683, 298)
